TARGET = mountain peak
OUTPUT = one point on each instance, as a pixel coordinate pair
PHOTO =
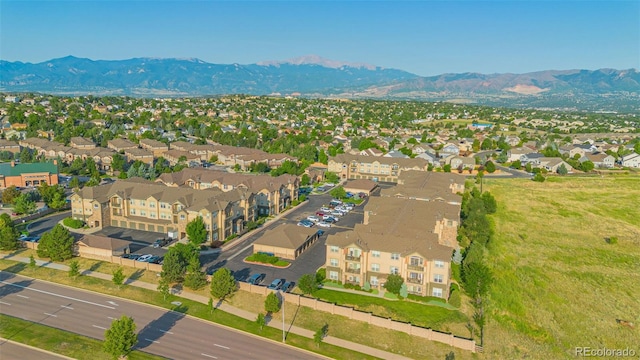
(313, 59)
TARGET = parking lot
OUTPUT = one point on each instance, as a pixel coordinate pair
(310, 260)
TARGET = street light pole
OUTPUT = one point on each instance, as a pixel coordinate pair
(283, 332)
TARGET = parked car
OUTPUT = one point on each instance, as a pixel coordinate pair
(276, 284)
(336, 213)
(288, 286)
(330, 219)
(131, 256)
(335, 202)
(320, 213)
(325, 209)
(154, 259)
(349, 206)
(321, 188)
(324, 224)
(313, 218)
(306, 223)
(256, 278)
(144, 258)
(160, 243)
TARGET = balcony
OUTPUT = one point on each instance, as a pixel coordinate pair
(115, 204)
(414, 280)
(353, 271)
(415, 267)
(352, 258)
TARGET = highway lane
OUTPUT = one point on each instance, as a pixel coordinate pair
(161, 332)
(15, 351)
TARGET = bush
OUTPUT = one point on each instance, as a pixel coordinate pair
(267, 259)
(454, 296)
(302, 198)
(612, 240)
(231, 237)
(73, 223)
(321, 275)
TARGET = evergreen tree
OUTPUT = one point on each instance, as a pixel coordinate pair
(56, 244)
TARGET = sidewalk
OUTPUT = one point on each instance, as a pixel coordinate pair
(224, 307)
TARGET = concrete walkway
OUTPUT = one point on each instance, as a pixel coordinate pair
(224, 307)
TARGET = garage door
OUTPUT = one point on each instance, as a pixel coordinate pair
(142, 226)
(123, 224)
(160, 229)
(151, 228)
(133, 225)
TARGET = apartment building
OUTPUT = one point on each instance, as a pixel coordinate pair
(410, 230)
(144, 205)
(272, 194)
(384, 169)
(155, 146)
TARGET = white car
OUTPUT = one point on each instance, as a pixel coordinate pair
(324, 224)
(313, 218)
(144, 258)
(331, 218)
(325, 209)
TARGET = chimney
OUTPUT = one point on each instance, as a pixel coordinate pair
(13, 163)
(55, 161)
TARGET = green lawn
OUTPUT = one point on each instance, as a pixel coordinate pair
(58, 341)
(558, 283)
(407, 311)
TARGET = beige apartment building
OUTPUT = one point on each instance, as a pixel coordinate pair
(382, 169)
(272, 194)
(144, 205)
(428, 186)
(403, 235)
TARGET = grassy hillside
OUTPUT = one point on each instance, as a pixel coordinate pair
(559, 284)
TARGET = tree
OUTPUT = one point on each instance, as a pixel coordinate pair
(26, 155)
(447, 168)
(163, 287)
(176, 261)
(319, 335)
(118, 162)
(404, 292)
(539, 178)
(120, 338)
(74, 269)
(587, 166)
(305, 180)
(32, 261)
(332, 177)
(195, 279)
(490, 204)
(24, 205)
(58, 201)
(196, 231)
(10, 194)
(338, 193)
(56, 244)
(490, 167)
(118, 277)
(74, 182)
(8, 233)
(272, 303)
(562, 170)
(222, 284)
(394, 283)
(308, 284)
(261, 320)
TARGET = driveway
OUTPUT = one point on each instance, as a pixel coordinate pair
(309, 262)
(45, 224)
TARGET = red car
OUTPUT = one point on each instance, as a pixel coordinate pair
(320, 213)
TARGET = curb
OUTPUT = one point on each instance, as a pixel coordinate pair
(35, 348)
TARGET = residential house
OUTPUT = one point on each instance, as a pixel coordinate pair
(137, 154)
(175, 156)
(430, 157)
(395, 154)
(515, 154)
(156, 147)
(461, 162)
(120, 145)
(551, 164)
(599, 160)
(10, 146)
(449, 149)
(373, 168)
(144, 205)
(371, 152)
(631, 160)
(428, 186)
(81, 143)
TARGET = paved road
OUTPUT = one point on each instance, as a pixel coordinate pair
(45, 224)
(165, 333)
(10, 350)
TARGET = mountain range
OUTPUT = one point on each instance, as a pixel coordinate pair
(315, 76)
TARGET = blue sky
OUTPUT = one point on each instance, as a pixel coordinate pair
(423, 37)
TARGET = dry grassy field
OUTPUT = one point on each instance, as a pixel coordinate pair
(559, 283)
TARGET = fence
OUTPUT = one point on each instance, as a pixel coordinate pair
(369, 318)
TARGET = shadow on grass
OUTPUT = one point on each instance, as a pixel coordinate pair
(135, 276)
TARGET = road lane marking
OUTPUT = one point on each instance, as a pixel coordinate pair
(112, 318)
(112, 303)
(209, 356)
(4, 303)
(221, 346)
(153, 341)
(167, 332)
(52, 315)
(99, 327)
(58, 295)
(22, 296)
(66, 307)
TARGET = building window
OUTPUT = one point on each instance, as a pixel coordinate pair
(334, 262)
(394, 270)
(143, 213)
(95, 206)
(375, 267)
(375, 254)
(374, 281)
(395, 256)
(438, 278)
(163, 205)
(439, 264)
(152, 204)
(333, 275)
(132, 202)
(143, 203)
(153, 215)
(335, 249)
(182, 217)
(132, 211)
(437, 292)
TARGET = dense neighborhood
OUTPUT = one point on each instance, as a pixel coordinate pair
(375, 199)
